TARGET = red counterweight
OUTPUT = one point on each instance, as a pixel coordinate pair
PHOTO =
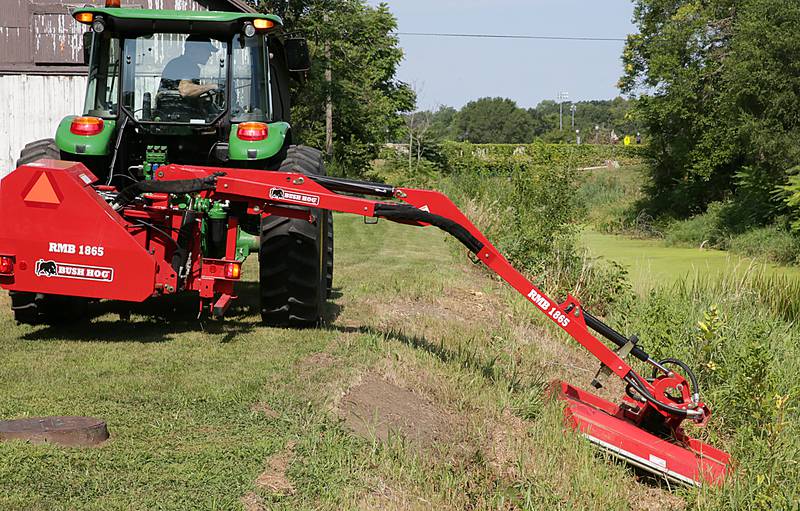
(65, 238)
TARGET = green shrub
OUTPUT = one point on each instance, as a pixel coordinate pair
(707, 229)
(774, 244)
(529, 212)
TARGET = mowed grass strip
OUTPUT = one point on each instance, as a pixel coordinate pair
(199, 412)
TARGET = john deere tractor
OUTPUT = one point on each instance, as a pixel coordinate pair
(196, 88)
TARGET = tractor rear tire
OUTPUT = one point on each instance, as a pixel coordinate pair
(38, 308)
(45, 148)
(296, 256)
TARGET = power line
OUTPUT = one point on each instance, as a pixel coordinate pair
(510, 36)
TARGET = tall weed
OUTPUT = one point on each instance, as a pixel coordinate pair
(608, 200)
(746, 357)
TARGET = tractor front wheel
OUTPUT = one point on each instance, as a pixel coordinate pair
(37, 308)
(296, 256)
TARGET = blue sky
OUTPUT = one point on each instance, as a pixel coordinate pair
(455, 71)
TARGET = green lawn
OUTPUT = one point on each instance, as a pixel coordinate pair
(424, 391)
(651, 263)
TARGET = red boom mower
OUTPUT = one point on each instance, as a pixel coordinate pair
(82, 239)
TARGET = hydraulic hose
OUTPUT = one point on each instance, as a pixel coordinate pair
(405, 213)
(613, 336)
(634, 381)
(689, 374)
(127, 195)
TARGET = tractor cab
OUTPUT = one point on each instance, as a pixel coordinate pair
(181, 87)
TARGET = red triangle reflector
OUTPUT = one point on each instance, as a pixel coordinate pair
(42, 191)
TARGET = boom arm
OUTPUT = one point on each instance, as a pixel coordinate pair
(279, 193)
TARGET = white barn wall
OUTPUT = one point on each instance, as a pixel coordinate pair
(33, 106)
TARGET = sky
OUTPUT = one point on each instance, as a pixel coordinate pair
(454, 71)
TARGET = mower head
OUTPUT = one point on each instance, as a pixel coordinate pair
(650, 444)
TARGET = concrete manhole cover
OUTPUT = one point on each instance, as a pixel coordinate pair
(71, 431)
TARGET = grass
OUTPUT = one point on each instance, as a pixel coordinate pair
(199, 412)
(734, 320)
(651, 264)
(185, 400)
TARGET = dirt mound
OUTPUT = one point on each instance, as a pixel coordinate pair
(252, 502)
(377, 408)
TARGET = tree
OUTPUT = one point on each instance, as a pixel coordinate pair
(442, 127)
(494, 121)
(356, 43)
(501, 121)
(720, 96)
(606, 115)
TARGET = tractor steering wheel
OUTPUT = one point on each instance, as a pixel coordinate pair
(215, 98)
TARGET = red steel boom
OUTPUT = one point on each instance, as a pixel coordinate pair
(80, 239)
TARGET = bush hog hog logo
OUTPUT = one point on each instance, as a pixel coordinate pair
(46, 268)
(300, 198)
(73, 271)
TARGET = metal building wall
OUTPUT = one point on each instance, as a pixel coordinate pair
(33, 107)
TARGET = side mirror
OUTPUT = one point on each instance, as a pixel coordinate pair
(297, 56)
(87, 46)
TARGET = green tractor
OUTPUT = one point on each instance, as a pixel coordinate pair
(197, 88)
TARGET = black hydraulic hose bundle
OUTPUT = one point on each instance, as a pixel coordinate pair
(185, 236)
(338, 184)
(613, 336)
(129, 194)
(399, 212)
(405, 213)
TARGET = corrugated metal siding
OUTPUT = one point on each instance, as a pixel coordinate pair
(34, 105)
(15, 47)
(36, 35)
(59, 39)
(15, 13)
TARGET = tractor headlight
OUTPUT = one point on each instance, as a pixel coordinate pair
(98, 25)
(249, 30)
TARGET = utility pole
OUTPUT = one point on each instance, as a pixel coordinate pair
(562, 96)
(572, 109)
(329, 98)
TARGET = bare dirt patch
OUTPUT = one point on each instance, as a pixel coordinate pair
(645, 498)
(262, 407)
(387, 498)
(321, 360)
(274, 479)
(376, 408)
(458, 305)
(252, 502)
(505, 444)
